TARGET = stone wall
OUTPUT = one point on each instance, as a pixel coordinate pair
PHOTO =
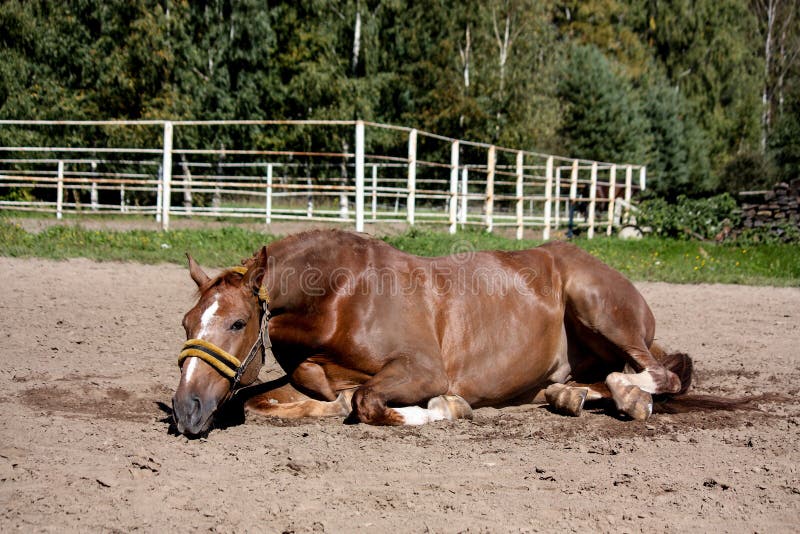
(774, 210)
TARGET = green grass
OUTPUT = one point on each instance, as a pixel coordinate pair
(213, 247)
(653, 259)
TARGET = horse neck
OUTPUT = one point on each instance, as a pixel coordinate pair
(291, 261)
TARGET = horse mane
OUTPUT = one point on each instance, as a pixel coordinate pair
(316, 233)
(231, 276)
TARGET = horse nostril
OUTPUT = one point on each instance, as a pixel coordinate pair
(195, 410)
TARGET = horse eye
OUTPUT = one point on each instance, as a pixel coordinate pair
(238, 325)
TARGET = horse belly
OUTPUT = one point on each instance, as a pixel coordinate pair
(513, 367)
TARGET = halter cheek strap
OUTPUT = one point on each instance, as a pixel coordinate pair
(225, 363)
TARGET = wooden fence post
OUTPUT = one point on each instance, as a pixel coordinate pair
(359, 176)
(60, 191)
(268, 219)
(453, 204)
(93, 191)
(464, 195)
(520, 200)
(573, 182)
(159, 192)
(166, 176)
(374, 192)
(628, 193)
(612, 194)
(412, 176)
(489, 202)
(548, 196)
(557, 198)
(592, 200)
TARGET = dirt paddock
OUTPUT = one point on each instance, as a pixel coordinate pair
(89, 364)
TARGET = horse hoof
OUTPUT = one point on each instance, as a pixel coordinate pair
(566, 400)
(636, 403)
(450, 407)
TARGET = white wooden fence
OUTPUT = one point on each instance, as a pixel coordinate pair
(394, 174)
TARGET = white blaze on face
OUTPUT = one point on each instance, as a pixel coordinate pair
(205, 321)
(207, 317)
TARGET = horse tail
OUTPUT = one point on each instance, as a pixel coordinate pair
(680, 363)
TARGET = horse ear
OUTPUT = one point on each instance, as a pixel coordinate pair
(200, 278)
(256, 272)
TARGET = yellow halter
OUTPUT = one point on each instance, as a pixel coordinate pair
(225, 363)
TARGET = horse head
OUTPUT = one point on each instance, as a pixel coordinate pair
(225, 348)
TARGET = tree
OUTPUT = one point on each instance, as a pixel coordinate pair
(678, 160)
(707, 51)
(603, 117)
(777, 26)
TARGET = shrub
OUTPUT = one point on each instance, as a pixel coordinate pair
(689, 218)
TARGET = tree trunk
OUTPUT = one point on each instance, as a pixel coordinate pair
(766, 96)
(465, 53)
(356, 39)
(504, 46)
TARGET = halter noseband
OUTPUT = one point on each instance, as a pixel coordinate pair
(225, 363)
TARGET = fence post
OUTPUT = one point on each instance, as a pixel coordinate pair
(612, 194)
(464, 195)
(548, 196)
(374, 192)
(93, 191)
(60, 191)
(166, 176)
(557, 206)
(453, 204)
(643, 177)
(520, 201)
(628, 187)
(412, 175)
(359, 176)
(159, 192)
(489, 203)
(268, 207)
(573, 182)
(592, 200)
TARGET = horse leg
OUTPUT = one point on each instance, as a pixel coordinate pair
(282, 402)
(407, 381)
(569, 398)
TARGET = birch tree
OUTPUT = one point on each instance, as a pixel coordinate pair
(777, 21)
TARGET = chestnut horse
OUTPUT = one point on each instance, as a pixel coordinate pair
(365, 330)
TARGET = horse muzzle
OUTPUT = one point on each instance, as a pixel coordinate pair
(192, 413)
(207, 373)
(209, 376)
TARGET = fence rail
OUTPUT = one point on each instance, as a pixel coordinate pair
(382, 173)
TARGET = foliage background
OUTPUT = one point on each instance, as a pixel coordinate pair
(706, 93)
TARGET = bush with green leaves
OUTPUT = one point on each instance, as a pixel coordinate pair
(689, 218)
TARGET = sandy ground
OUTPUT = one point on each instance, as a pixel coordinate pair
(89, 353)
